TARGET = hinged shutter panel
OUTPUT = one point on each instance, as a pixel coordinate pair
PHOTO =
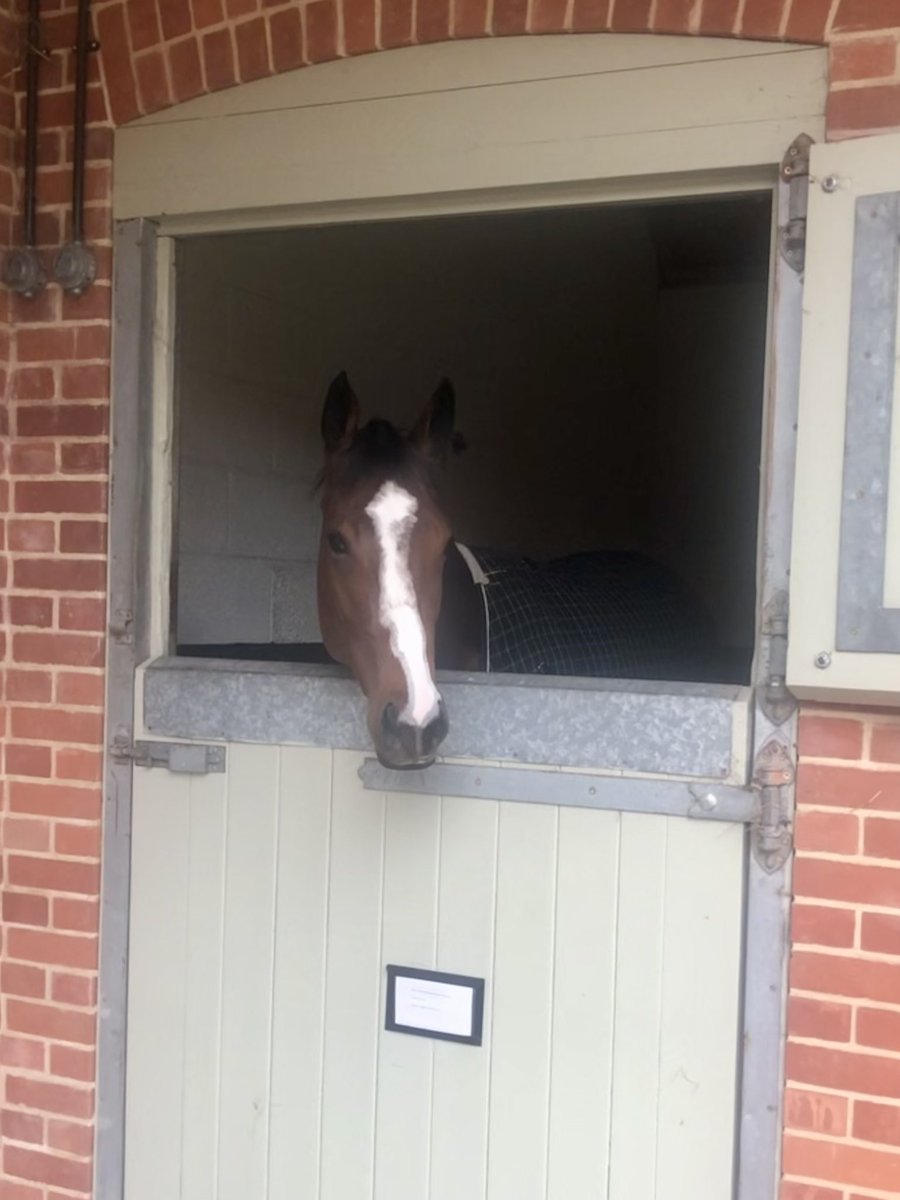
(844, 640)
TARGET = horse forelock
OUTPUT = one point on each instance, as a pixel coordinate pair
(379, 452)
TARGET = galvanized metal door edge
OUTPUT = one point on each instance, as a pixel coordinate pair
(763, 1018)
(133, 309)
(767, 909)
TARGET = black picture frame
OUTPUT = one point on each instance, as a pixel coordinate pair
(475, 984)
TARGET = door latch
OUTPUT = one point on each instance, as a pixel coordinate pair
(183, 758)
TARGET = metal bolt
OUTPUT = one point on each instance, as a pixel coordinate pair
(823, 660)
(708, 801)
(830, 183)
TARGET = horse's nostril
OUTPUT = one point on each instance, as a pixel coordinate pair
(435, 732)
(389, 721)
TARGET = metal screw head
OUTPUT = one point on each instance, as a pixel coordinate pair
(823, 660)
(708, 802)
(830, 183)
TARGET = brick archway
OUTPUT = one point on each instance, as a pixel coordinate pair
(155, 56)
(54, 419)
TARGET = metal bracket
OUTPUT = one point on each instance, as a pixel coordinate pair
(183, 758)
(795, 173)
(667, 797)
(771, 831)
(121, 626)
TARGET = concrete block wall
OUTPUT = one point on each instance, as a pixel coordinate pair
(248, 449)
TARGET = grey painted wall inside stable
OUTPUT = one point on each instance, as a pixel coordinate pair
(600, 409)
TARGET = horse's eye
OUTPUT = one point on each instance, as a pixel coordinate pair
(338, 544)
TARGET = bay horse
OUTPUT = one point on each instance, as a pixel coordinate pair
(385, 548)
(397, 596)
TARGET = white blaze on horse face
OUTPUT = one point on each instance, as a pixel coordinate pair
(393, 513)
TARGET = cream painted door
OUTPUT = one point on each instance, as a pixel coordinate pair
(266, 902)
(845, 571)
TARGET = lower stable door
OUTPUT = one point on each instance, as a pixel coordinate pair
(269, 900)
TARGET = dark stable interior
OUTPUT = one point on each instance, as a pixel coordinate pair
(608, 363)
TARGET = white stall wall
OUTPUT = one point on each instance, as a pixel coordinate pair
(575, 376)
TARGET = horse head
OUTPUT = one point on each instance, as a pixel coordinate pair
(381, 559)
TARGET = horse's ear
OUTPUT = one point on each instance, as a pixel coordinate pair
(340, 414)
(433, 431)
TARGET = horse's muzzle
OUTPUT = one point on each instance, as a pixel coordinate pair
(404, 747)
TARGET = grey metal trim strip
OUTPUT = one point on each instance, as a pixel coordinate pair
(656, 729)
(662, 797)
(863, 621)
(764, 1023)
(133, 303)
(768, 895)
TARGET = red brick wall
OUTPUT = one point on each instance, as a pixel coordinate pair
(843, 1110)
(56, 398)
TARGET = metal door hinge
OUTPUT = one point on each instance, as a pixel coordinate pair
(772, 827)
(795, 173)
(775, 700)
(184, 758)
